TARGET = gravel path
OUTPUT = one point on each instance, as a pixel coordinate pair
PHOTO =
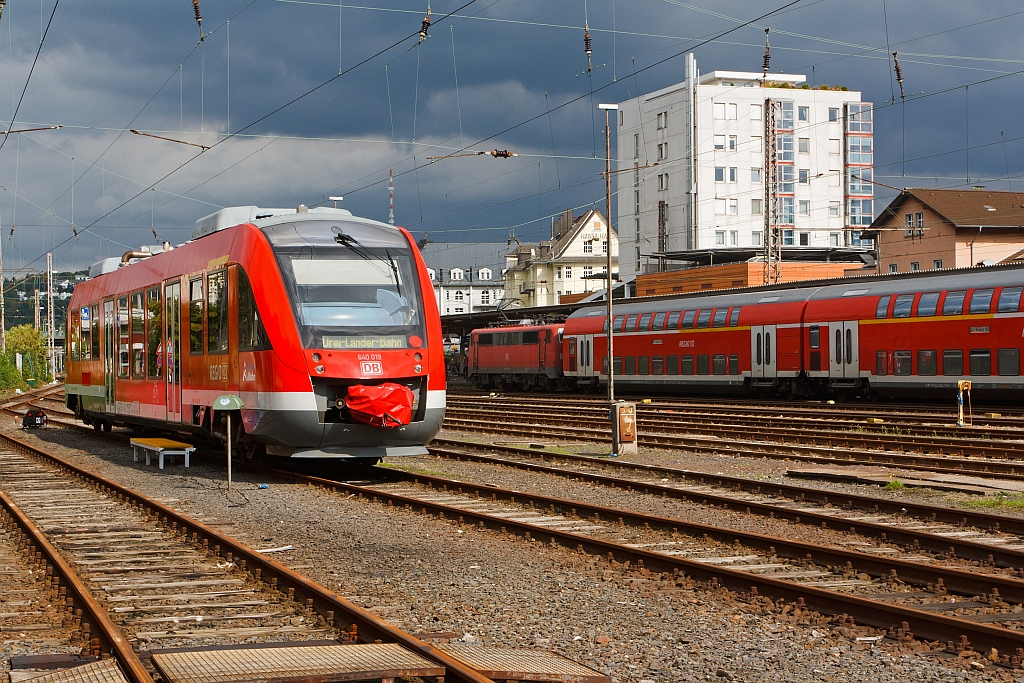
(428, 575)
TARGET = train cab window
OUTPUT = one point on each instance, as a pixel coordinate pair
(630, 365)
(718, 363)
(981, 362)
(645, 322)
(659, 322)
(154, 332)
(953, 362)
(74, 339)
(252, 336)
(658, 365)
(195, 316)
(953, 304)
(673, 321)
(488, 340)
(86, 326)
(882, 311)
(123, 338)
(138, 337)
(704, 319)
(1009, 362)
(531, 337)
(981, 301)
(734, 317)
(720, 317)
(881, 363)
(1009, 299)
(643, 365)
(686, 365)
(703, 367)
(903, 306)
(617, 365)
(672, 365)
(927, 304)
(687, 323)
(95, 325)
(618, 322)
(815, 336)
(901, 363)
(734, 364)
(631, 322)
(217, 312)
(928, 363)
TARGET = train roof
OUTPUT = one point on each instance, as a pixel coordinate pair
(836, 288)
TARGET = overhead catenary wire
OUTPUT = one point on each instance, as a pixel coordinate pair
(31, 71)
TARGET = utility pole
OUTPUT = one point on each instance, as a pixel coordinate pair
(51, 351)
(3, 326)
(37, 325)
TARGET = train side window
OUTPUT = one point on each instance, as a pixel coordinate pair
(768, 348)
(757, 344)
(981, 301)
(815, 336)
(686, 365)
(86, 324)
(901, 363)
(631, 322)
(703, 367)
(95, 324)
(138, 337)
(123, 338)
(927, 304)
(881, 363)
(531, 337)
(488, 340)
(1009, 362)
(687, 323)
(154, 332)
(734, 364)
(74, 339)
(882, 311)
(572, 346)
(903, 306)
(645, 321)
(981, 362)
(704, 319)
(658, 365)
(630, 365)
(618, 365)
(604, 365)
(672, 365)
(718, 364)
(953, 304)
(252, 336)
(659, 322)
(644, 365)
(734, 317)
(673, 321)
(618, 322)
(195, 316)
(839, 347)
(720, 317)
(217, 312)
(953, 362)
(928, 363)
(1009, 299)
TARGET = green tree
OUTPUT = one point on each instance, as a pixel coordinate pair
(31, 344)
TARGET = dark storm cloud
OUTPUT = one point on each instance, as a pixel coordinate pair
(106, 66)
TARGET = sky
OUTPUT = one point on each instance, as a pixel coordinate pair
(262, 90)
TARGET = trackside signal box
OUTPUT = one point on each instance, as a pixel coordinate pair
(624, 436)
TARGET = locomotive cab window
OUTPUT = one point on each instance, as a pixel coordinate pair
(195, 316)
(530, 337)
(1009, 299)
(252, 336)
(488, 340)
(953, 304)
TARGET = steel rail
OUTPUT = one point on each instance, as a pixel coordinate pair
(332, 607)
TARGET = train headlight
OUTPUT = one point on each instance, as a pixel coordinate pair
(418, 368)
(319, 369)
(316, 357)
(418, 356)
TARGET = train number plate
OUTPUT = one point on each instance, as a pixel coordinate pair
(371, 367)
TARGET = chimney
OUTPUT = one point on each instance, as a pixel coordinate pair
(561, 225)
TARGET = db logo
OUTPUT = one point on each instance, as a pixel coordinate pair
(371, 367)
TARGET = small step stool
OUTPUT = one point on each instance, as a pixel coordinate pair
(162, 448)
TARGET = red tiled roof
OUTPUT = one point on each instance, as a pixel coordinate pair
(965, 208)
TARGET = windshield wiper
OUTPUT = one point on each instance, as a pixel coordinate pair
(355, 245)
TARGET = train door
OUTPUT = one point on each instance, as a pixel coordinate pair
(762, 351)
(585, 355)
(845, 352)
(543, 339)
(172, 349)
(109, 355)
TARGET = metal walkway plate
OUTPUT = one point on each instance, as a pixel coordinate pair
(319, 664)
(103, 671)
(522, 665)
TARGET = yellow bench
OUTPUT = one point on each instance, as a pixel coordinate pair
(161, 447)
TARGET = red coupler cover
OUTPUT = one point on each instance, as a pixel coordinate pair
(383, 405)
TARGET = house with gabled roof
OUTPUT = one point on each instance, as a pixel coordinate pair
(572, 263)
(924, 229)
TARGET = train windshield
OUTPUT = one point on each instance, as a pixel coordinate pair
(354, 298)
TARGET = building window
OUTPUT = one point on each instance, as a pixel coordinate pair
(558, 272)
(732, 174)
(430, 274)
(784, 147)
(455, 274)
(733, 207)
(447, 295)
(733, 111)
(755, 112)
(663, 152)
(604, 246)
(719, 142)
(663, 120)
(833, 146)
(858, 118)
(732, 143)
(755, 238)
(804, 207)
(894, 268)
(588, 271)
(484, 274)
(788, 237)
(860, 212)
(588, 247)
(636, 202)
(636, 145)
(859, 148)
(908, 220)
(937, 264)
(804, 175)
(719, 174)
(755, 175)
(459, 296)
(787, 210)
(719, 207)
(784, 115)
(915, 265)
(568, 272)
(755, 144)
(833, 114)
(860, 183)
(919, 219)
(803, 113)
(833, 239)
(637, 222)
(734, 238)
(833, 209)
(663, 181)
(804, 144)
(485, 297)
(834, 179)
(805, 239)
(638, 256)
(719, 110)
(755, 207)
(719, 238)
(787, 176)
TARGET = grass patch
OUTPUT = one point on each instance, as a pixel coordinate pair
(1000, 501)
(895, 485)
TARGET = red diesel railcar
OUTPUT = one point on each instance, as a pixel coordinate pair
(324, 324)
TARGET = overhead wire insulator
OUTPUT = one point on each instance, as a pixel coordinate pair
(502, 154)
(767, 54)
(3, 3)
(586, 45)
(425, 26)
(899, 75)
(199, 17)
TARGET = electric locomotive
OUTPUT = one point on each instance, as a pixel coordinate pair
(323, 324)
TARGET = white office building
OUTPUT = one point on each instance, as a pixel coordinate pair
(706, 136)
